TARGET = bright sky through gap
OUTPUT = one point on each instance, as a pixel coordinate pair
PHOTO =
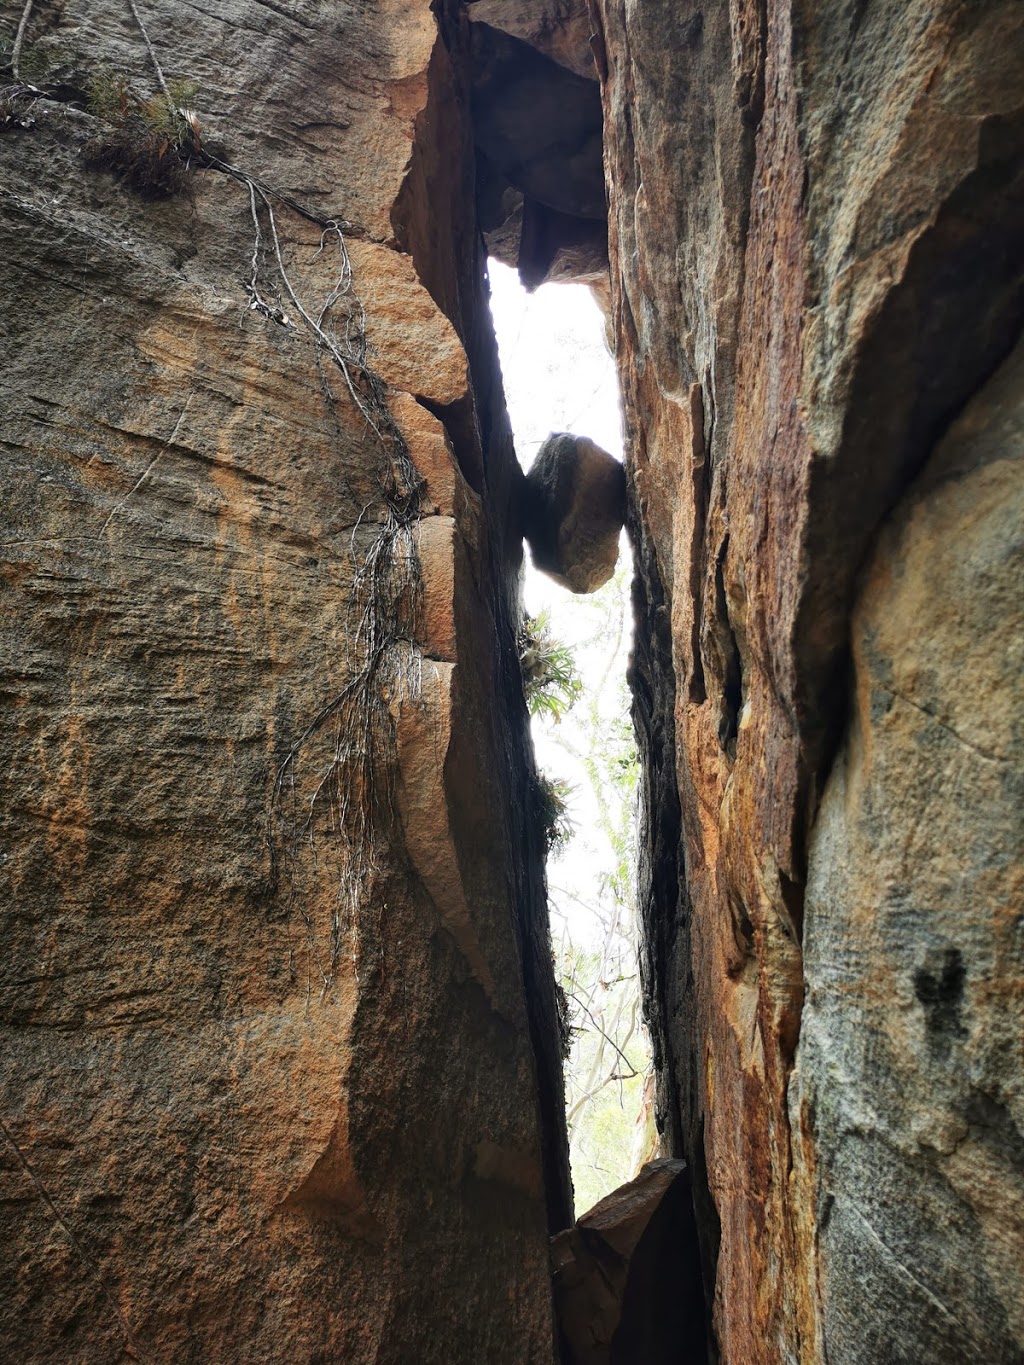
(559, 376)
(558, 373)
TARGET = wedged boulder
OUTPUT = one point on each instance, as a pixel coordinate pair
(575, 506)
(538, 134)
(560, 29)
(627, 1276)
(539, 123)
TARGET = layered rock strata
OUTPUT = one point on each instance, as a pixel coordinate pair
(280, 1066)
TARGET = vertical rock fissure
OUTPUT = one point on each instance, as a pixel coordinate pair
(505, 69)
(279, 1026)
(481, 438)
(665, 911)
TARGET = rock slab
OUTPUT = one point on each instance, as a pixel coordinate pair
(907, 1092)
(270, 1014)
(627, 1276)
(814, 233)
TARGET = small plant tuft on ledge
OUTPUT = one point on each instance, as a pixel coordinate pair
(551, 811)
(149, 144)
(21, 75)
(550, 681)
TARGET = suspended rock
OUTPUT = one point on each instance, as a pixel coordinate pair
(575, 509)
(539, 123)
(627, 1276)
(560, 29)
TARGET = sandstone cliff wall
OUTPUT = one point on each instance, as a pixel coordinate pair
(280, 1070)
(275, 951)
(815, 234)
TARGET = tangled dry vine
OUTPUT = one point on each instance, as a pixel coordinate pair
(351, 800)
(343, 794)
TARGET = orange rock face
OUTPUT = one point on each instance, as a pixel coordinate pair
(815, 217)
(275, 956)
(280, 1068)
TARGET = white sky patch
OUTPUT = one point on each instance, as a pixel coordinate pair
(559, 376)
(558, 373)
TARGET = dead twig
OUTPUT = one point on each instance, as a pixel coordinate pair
(148, 470)
(151, 50)
(19, 39)
(611, 1041)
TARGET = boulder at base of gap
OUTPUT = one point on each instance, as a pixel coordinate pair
(574, 511)
(627, 1277)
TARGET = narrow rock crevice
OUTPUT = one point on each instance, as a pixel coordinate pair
(329, 1124)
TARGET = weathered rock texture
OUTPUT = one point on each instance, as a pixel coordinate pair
(276, 1084)
(815, 235)
(574, 506)
(908, 1087)
(280, 1071)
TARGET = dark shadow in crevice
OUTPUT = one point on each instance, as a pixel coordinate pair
(728, 666)
(664, 911)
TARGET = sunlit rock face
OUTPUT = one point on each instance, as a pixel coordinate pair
(575, 506)
(280, 1073)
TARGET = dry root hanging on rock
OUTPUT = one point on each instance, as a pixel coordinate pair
(340, 793)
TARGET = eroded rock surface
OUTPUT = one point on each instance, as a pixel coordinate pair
(907, 1094)
(275, 984)
(574, 509)
(560, 29)
(814, 234)
(537, 124)
(280, 1067)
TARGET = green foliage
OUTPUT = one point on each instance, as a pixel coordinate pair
(551, 809)
(606, 1065)
(34, 64)
(550, 678)
(148, 143)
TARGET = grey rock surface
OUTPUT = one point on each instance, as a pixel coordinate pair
(910, 1069)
